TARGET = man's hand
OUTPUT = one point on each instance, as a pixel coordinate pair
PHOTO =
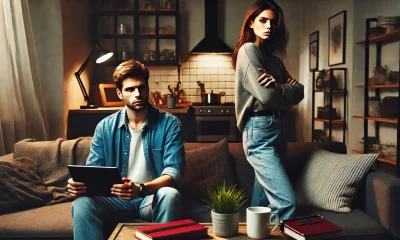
(266, 80)
(128, 190)
(292, 81)
(75, 189)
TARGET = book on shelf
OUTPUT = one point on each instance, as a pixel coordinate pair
(182, 229)
(310, 228)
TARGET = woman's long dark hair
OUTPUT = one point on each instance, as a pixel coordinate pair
(278, 43)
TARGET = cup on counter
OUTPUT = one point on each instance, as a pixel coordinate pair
(258, 221)
(171, 101)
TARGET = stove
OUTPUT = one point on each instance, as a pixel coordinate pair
(216, 122)
(224, 109)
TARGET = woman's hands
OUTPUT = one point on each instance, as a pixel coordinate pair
(266, 80)
(128, 190)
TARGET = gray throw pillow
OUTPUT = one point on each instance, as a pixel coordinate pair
(330, 180)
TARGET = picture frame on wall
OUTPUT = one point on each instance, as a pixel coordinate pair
(337, 39)
(314, 50)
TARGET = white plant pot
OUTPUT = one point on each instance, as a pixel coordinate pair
(225, 225)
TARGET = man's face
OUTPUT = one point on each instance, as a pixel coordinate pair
(264, 24)
(134, 93)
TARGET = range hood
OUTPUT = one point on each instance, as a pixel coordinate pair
(211, 43)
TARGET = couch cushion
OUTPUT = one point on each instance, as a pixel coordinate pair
(205, 168)
(356, 225)
(330, 180)
(43, 222)
(21, 185)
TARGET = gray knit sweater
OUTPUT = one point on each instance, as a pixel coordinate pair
(250, 96)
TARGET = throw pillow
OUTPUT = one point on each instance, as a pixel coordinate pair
(21, 186)
(329, 180)
(205, 168)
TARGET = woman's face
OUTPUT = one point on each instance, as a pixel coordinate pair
(264, 24)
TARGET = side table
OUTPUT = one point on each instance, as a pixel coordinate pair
(126, 231)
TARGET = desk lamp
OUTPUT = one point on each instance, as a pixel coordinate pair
(101, 55)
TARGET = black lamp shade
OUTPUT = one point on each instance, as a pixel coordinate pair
(101, 55)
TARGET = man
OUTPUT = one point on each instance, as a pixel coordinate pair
(146, 145)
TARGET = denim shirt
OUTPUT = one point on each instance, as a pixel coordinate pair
(162, 142)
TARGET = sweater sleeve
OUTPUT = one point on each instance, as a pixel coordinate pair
(292, 93)
(248, 61)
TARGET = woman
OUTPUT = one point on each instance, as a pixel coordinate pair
(265, 91)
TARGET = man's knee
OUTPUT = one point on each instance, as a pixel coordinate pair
(82, 205)
(168, 194)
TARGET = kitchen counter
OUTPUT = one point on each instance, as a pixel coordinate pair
(82, 122)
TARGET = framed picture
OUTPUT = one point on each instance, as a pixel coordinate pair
(314, 50)
(337, 39)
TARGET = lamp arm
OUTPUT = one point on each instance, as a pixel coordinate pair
(78, 78)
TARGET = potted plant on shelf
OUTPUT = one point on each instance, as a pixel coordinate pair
(225, 202)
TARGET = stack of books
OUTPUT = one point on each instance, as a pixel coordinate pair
(310, 228)
(182, 229)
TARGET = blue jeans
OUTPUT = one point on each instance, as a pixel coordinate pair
(265, 144)
(91, 214)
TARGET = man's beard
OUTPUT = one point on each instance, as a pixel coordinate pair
(138, 108)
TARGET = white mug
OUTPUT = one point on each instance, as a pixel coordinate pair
(258, 221)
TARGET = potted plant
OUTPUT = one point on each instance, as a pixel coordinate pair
(225, 202)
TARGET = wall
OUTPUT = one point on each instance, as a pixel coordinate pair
(76, 26)
(47, 32)
(315, 18)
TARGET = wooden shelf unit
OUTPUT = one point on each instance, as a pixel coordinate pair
(378, 41)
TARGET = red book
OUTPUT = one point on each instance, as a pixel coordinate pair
(182, 229)
(310, 228)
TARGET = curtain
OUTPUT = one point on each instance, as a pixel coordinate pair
(22, 110)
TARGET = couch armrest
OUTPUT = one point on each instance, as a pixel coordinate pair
(382, 198)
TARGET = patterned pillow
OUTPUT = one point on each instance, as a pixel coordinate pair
(330, 180)
(205, 168)
(21, 185)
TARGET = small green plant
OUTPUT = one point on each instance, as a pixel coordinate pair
(226, 199)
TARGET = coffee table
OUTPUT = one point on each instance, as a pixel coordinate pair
(126, 231)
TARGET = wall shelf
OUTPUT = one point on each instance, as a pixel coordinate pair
(380, 159)
(388, 37)
(340, 121)
(379, 86)
(377, 119)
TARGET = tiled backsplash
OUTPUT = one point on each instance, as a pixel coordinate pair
(214, 70)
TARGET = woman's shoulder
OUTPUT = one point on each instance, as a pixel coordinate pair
(250, 50)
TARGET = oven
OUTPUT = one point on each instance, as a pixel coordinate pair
(214, 123)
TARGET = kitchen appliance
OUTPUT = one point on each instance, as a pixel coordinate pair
(211, 43)
(216, 122)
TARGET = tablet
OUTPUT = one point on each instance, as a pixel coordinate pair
(98, 180)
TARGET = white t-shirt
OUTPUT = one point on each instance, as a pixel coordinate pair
(137, 170)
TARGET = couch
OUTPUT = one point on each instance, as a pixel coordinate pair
(375, 214)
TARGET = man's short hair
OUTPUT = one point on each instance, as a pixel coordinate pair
(130, 68)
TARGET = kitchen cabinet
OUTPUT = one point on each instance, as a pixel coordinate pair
(374, 86)
(145, 30)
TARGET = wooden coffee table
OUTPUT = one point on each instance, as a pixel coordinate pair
(126, 231)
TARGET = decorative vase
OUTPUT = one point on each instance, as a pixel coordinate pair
(225, 225)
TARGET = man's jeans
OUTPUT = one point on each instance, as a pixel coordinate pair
(265, 144)
(90, 214)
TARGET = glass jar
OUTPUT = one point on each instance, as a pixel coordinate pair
(373, 107)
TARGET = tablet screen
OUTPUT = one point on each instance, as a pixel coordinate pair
(98, 180)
